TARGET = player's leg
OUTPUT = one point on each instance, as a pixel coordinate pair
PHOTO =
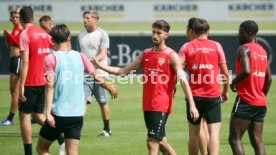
(237, 129)
(213, 119)
(194, 127)
(43, 146)
(164, 145)
(203, 137)
(73, 126)
(25, 109)
(102, 99)
(239, 123)
(47, 135)
(88, 92)
(214, 129)
(153, 146)
(255, 131)
(14, 90)
(194, 130)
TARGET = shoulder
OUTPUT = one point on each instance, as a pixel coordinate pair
(101, 31)
(82, 32)
(147, 50)
(49, 58)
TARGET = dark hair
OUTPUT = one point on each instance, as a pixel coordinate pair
(191, 21)
(45, 18)
(162, 24)
(26, 14)
(250, 27)
(60, 33)
(200, 26)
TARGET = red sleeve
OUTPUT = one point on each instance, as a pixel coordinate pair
(88, 67)
(181, 54)
(221, 55)
(24, 41)
(49, 64)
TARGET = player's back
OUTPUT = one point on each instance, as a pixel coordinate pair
(38, 43)
(202, 59)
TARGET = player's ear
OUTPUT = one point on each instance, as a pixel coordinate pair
(69, 39)
(166, 35)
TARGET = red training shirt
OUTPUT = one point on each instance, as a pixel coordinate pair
(202, 58)
(250, 89)
(158, 80)
(37, 42)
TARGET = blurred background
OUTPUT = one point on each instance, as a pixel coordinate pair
(128, 22)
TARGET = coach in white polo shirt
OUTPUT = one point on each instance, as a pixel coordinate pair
(94, 42)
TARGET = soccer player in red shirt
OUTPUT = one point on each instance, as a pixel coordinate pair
(203, 133)
(160, 65)
(14, 65)
(252, 84)
(205, 60)
(35, 45)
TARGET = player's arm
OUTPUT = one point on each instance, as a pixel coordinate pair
(120, 71)
(268, 79)
(181, 75)
(24, 65)
(90, 69)
(112, 89)
(49, 93)
(49, 88)
(225, 81)
(102, 53)
(243, 55)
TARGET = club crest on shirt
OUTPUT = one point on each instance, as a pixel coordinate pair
(161, 61)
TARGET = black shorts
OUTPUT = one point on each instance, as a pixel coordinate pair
(246, 111)
(15, 65)
(35, 102)
(70, 126)
(155, 122)
(209, 108)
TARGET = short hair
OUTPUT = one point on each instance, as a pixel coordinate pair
(26, 14)
(14, 10)
(93, 13)
(191, 22)
(161, 24)
(45, 18)
(60, 33)
(250, 27)
(201, 26)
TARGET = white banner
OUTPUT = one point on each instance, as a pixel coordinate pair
(144, 11)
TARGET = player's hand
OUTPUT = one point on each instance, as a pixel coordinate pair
(51, 120)
(96, 62)
(194, 113)
(113, 91)
(233, 87)
(224, 97)
(22, 97)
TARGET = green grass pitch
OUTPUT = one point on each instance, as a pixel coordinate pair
(129, 131)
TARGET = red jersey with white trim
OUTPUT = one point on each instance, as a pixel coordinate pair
(250, 89)
(202, 58)
(158, 80)
(16, 31)
(37, 42)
